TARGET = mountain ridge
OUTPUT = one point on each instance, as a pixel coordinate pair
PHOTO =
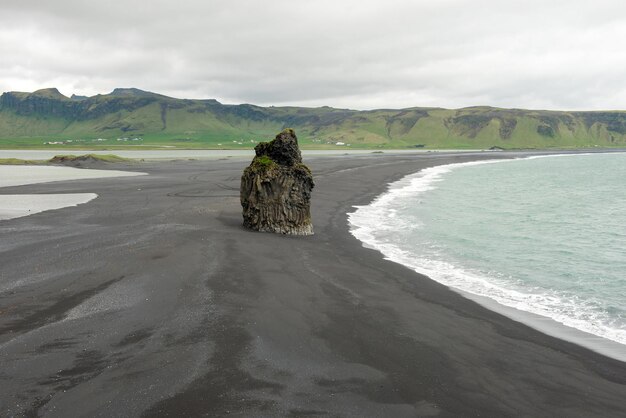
(28, 119)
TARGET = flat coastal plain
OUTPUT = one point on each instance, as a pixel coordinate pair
(152, 300)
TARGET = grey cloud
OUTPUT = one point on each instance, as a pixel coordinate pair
(358, 54)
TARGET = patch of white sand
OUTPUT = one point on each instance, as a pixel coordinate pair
(19, 175)
(17, 205)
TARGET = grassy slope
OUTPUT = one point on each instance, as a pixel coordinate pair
(199, 124)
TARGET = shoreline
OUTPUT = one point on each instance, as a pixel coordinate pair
(544, 324)
(553, 328)
(157, 302)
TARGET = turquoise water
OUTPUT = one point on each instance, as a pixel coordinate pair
(545, 235)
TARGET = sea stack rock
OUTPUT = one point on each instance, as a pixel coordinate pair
(276, 188)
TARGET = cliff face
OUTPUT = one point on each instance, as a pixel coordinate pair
(276, 188)
(51, 103)
(47, 102)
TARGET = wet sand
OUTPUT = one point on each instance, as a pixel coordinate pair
(153, 300)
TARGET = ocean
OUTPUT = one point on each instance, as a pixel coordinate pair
(543, 235)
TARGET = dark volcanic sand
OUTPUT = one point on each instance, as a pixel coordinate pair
(153, 300)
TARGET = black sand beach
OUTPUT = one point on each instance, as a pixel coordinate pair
(153, 300)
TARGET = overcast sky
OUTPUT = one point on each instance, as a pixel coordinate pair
(364, 54)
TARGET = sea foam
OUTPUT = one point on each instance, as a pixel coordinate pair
(377, 224)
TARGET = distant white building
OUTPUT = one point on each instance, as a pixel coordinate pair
(340, 143)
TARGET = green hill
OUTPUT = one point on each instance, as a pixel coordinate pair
(128, 118)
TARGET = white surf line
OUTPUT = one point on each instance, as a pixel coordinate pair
(362, 219)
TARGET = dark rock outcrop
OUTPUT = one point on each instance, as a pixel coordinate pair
(87, 160)
(276, 188)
